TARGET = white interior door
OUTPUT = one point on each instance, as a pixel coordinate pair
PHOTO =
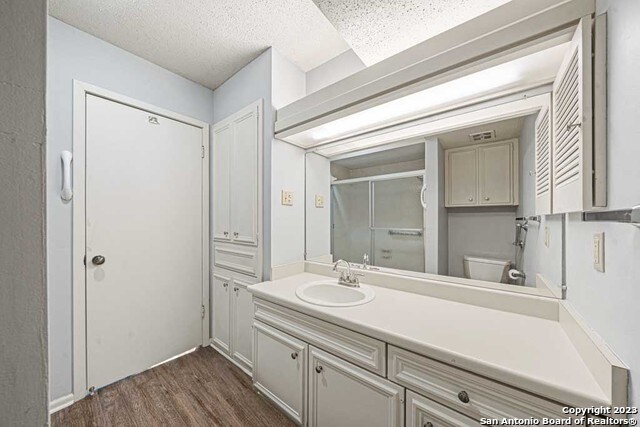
(144, 200)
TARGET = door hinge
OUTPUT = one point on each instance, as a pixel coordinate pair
(202, 310)
(203, 151)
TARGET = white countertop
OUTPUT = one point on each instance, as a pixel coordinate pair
(526, 352)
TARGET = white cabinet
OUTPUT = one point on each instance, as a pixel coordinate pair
(220, 312)
(241, 324)
(462, 176)
(423, 412)
(236, 176)
(341, 394)
(280, 370)
(221, 154)
(232, 312)
(482, 175)
(496, 178)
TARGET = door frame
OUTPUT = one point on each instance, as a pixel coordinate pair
(79, 322)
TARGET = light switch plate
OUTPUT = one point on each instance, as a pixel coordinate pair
(598, 251)
(319, 201)
(287, 198)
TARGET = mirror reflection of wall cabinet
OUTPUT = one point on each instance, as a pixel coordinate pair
(482, 175)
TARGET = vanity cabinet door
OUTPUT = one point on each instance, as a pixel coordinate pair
(220, 313)
(341, 394)
(280, 370)
(461, 176)
(423, 412)
(241, 324)
(496, 174)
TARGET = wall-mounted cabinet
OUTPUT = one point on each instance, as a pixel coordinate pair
(482, 175)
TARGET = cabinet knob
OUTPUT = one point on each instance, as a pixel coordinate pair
(428, 424)
(463, 396)
(226, 233)
(319, 369)
(486, 198)
(98, 260)
(471, 199)
(235, 288)
(294, 355)
(224, 285)
(236, 234)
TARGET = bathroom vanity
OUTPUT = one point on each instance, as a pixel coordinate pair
(423, 355)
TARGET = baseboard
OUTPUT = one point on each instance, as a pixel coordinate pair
(60, 403)
(226, 356)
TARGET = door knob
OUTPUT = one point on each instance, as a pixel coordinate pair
(98, 260)
(463, 396)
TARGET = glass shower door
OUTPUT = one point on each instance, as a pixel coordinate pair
(350, 235)
(398, 223)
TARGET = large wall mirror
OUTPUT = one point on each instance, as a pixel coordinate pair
(458, 206)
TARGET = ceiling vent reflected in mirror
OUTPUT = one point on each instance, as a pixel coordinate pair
(487, 136)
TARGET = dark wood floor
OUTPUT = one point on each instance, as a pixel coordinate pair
(200, 389)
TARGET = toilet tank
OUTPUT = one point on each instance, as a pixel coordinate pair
(490, 270)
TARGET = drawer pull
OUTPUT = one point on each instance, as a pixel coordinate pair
(294, 355)
(319, 369)
(428, 424)
(463, 396)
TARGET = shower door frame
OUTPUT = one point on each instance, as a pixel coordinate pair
(370, 180)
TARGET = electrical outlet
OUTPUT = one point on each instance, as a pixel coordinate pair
(598, 251)
(287, 198)
(546, 236)
(319, 201)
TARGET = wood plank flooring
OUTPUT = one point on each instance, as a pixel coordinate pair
(199, 389)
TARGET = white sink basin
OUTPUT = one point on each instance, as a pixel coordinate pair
(329, 293)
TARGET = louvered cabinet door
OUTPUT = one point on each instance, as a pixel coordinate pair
(543, 181)
(572, 126)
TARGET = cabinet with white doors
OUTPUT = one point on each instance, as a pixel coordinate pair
(321, 374)
(236, 176)
(237, 254)
(232, 317)
(482, 175)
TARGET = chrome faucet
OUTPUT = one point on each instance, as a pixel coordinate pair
(348, 279)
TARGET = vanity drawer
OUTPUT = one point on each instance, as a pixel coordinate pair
(471, 394)
(421, 412)
(361, 350)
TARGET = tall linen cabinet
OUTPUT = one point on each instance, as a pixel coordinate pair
(236, 230)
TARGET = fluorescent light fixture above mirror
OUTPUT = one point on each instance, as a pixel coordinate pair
(529, 71)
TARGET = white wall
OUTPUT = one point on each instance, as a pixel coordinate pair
(74, 54)
(287, 170)
(436, 217)
(251, 83)
(23, 295)
(484, 232)
(318, 220)
(609, 301)
(333, 70)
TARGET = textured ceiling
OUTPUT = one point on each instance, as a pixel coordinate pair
(378, 29)
(207, 41)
